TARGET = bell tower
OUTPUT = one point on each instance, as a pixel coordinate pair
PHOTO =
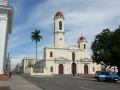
(59, 30)
(82, 43)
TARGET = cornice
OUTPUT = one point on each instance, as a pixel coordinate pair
(10, 12)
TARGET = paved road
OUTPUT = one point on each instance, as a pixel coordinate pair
(66, 83)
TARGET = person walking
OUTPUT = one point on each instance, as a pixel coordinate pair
(10, 73)
(52, 74)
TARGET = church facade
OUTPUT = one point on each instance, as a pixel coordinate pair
(58, 59)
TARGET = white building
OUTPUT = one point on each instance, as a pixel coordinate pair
(58, 59)
(6, 18)
(25, 62)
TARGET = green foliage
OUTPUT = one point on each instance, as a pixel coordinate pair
(30, 65)
(106, 48)
(35, 36)
(100, 47)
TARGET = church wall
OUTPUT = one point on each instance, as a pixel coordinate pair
(83, 54)
(49, 64)
(56, 53)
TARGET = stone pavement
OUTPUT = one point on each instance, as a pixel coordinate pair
(18, 83)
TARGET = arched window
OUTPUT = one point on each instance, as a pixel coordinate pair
(51, 54)
(60, 25)
(84, 46)
(51, 69)
(93, 69)
(79, 45)
(54, 26)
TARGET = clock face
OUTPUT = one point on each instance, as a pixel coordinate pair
(60, 38)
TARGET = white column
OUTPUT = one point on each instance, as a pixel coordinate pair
(5, 53)
(78, 67)
(70, 68)
(3, 25)
(64, 68)
(31, 70)
(57, 68)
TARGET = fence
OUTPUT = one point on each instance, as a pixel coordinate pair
(38, 70)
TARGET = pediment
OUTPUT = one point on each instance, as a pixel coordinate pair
(73, 47)
(60, 58)
(86, 59)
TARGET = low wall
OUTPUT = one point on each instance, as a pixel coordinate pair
(39, 74)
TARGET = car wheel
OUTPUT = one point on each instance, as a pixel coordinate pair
(98, 79)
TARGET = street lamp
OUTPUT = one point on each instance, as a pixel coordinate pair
(73, 58)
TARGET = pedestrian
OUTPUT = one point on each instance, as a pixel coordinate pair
(52, 74)
(10, 73)
(78, 74)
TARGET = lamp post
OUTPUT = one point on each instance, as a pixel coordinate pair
(73, 58)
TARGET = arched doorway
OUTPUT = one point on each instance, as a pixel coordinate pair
(73, 68)
(85, 69)
(61, 69)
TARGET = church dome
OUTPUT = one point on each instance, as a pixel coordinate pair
(59, 14)
(82, 37)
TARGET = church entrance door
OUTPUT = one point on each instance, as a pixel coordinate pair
(61, 69)
(85, 69)
(73, 68)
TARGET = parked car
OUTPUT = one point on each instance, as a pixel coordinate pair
(106, 76)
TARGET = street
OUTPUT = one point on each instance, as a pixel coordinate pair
(59, 82)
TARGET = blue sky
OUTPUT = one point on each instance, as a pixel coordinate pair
(87, 17)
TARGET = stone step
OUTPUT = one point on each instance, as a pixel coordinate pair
(4, 78)
(5, 88)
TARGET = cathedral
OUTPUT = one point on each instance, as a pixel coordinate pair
(59, 59)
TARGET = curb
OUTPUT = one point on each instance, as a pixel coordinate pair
(82, 78)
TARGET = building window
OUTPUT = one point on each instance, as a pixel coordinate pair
(79, 46)
(84, 46)
(51, 69)
(60, 38)
(93, 69)
(51, 54)
(60, 25)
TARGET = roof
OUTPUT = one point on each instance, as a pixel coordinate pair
(82, 37)
(58, 14)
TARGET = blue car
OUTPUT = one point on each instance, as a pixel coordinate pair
(106, 76)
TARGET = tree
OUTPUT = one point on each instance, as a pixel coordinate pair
(35, 36)
(115, 49)
(106, 48)
(30, 65)
(100, 47)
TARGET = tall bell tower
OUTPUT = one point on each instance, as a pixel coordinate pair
(59, 30)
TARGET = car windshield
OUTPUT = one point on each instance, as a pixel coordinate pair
(112, 73)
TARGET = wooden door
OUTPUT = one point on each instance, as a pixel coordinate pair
(73, 68)
(85, 69)
(61, 69)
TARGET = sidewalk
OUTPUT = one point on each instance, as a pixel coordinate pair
(18, 83)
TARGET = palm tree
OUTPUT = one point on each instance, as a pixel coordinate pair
(35, 36)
